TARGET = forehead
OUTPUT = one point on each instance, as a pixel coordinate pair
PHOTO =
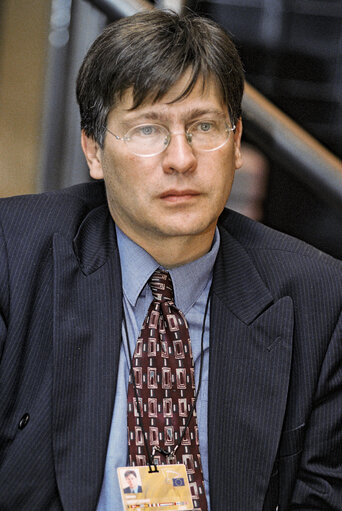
(206, 96)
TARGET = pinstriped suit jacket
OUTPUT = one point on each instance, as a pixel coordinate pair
(275, 389)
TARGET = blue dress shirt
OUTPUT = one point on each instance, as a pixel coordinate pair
(191, 284)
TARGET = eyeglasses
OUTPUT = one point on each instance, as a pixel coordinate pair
(153, 139)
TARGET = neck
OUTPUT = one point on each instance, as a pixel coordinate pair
(175, 251)
(179, 251)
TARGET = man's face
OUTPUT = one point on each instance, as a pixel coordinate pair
(131, 481)
(179, 192)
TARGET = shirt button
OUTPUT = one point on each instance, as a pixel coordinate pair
(24, 421)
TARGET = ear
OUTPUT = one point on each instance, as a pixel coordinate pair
(92, 152)
(237, 144)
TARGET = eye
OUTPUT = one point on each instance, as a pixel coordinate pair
(204, 126)
(147, 130)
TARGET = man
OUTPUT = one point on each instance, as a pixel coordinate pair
(160, 110)
(132, 482)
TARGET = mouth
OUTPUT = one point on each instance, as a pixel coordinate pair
(179, 195)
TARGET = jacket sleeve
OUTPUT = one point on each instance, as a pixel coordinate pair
(319, 480)
(4, 295)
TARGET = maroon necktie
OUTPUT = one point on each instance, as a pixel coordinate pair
(164, 383)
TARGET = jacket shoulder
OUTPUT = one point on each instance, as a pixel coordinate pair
(57, 211)
(286, 265)
(256, 237)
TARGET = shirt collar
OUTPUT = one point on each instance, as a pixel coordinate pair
(188, 280)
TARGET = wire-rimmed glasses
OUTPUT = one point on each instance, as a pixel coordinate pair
(153, 139)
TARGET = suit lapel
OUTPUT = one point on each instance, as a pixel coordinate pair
(87, 333)
(250, 361)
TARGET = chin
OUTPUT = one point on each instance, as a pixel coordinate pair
(186, 228)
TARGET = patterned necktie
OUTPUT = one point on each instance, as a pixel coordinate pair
(163, 371)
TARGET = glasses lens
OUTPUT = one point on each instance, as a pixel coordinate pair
(208, 135)
(147, 139)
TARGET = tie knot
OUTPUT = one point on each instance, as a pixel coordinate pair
(161, 286)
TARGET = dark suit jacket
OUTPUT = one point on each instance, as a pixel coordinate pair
(275, 385)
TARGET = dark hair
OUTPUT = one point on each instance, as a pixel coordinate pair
(130, 472)
(149, 52)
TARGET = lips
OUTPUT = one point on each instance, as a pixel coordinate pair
(179, 194)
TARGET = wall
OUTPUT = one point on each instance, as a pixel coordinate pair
(23, 42)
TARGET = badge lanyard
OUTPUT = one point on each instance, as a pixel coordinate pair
(153, 467)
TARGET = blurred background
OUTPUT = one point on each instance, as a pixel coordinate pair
(292, 52)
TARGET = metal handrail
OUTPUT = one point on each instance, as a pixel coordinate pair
(283, 140)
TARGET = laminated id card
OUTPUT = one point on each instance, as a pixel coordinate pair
(166, 489)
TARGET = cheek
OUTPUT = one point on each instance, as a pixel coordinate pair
(219, 174)
(116, 172)
(127, 171)
(127, 189)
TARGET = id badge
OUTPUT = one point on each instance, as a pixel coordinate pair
(166, 489)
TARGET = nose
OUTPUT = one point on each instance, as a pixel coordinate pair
(179, 156)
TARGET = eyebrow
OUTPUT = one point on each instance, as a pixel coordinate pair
(187, 116)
